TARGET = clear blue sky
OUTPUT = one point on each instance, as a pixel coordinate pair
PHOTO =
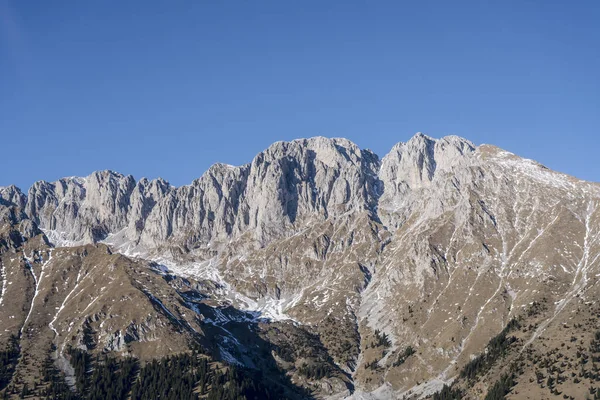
(166, 88)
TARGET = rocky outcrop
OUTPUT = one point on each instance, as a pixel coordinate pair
(422, 164)
(287, 185)
(81, 209)
(13, 195)
(15, 227)
(415, 164)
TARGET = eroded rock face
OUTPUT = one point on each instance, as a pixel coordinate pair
(15, 227)
(13, 195)
(81, 209)
(284, 186)
(418, 165)
(414, 164)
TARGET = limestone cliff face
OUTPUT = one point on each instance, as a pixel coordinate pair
(81, 209)
(413, 167)
(416, 164)
(286, 185)
(12, 194)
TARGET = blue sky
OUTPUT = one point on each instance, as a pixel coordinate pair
(161, 88)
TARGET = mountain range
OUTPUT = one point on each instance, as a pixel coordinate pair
(319, 270)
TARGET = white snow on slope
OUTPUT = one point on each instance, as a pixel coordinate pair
(267, 308)
(62, 306)
(37, 285)
(4, 282)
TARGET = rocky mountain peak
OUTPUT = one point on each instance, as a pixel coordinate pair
(330, 152)
(301, 180)
(416, 161)
(13, 194)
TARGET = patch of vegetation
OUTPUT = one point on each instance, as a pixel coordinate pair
(537, 308)
(180, 377)
(290, 343)
(381, 340)
(111, 378)
(285, 352)
(242, 384)
(474, 367)
(409, 351)
(173, 377)
(373, 365)
(8, 361)
(595, 343)
(448, 393)
(80, 360)
(495, 350)
(341, 339)
(55, 387)
(502, 387)
(315, 371)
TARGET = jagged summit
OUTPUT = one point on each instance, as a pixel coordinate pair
(320, 143)
(13, 194)
(283, 187)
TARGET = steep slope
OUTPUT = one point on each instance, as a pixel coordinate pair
(287, 185)
(487, 239)
(396, 272)
(83, 302)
